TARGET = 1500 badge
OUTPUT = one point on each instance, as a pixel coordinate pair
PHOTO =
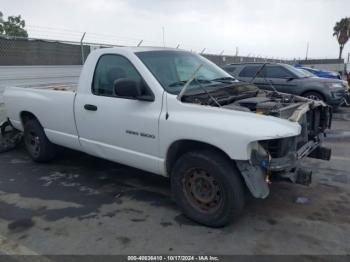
(140, 134)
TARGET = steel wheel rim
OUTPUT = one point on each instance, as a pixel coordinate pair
(202, 190)
(32, 141)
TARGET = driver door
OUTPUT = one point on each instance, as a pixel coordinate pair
(120, 129)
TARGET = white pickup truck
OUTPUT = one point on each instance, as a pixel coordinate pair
(214, 140)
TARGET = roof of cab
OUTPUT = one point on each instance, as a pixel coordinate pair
(136, 49)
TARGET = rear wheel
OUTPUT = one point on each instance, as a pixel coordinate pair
(314, 96)
(37, 144)
(207, 188)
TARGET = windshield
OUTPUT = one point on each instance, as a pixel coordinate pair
(174, 68)
(297, 72)
(309, 74)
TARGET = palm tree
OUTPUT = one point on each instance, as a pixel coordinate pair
(342, 32)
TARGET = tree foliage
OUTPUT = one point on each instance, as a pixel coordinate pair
(14, 26)
(341, 31)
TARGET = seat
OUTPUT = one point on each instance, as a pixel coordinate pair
(113, 74)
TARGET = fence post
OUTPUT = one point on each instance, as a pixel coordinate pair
(82, 49)
(139, 44)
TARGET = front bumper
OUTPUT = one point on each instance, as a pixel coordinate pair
(311, 149)
(278, 159)
(336, 98)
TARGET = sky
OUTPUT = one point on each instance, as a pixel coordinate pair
(266, 28)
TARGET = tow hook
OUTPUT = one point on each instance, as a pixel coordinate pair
(10, 137)
(299, 175)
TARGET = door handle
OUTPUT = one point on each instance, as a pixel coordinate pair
(90, 107)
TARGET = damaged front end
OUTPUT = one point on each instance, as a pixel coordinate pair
(274, 159)
(278, 159)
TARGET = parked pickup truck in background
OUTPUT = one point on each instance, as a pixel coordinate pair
(174, 113)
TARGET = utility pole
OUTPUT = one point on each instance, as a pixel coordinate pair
(236, 50)
(348, 58)
(307, 51)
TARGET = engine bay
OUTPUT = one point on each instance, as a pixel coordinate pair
(247, 97)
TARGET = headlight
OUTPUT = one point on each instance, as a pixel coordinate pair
(334, 85)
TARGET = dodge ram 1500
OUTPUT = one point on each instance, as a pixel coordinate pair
(176, 114)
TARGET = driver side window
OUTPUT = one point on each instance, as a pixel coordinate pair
(110, 68)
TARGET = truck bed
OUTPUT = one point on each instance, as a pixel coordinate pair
(54, 86)
(53, 104)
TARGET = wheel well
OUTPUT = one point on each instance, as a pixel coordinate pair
(25, 116)
(178, 148)
(314, 91)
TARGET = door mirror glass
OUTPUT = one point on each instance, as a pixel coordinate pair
(126, 87)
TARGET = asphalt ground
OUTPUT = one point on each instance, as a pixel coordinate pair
(79, 204)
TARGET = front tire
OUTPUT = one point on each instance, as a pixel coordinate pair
(208, 188)
(314, 96)
(36, 142)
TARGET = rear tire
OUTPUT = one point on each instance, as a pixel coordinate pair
(36, 142)
(208, 188)
(314, 96)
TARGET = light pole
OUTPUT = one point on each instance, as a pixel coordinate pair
(307, 51)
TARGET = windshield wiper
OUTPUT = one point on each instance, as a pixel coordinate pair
(227, 78)
(193, 77)
(180, 83)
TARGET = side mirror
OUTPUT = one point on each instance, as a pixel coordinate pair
(129, 88)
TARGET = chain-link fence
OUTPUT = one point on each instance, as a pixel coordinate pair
(30, 51)
(20, 51)
(40, 52)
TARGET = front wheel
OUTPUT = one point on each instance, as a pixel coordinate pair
(37, 144)
(314, 96)
(207, 187)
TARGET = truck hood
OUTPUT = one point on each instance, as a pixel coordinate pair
(272, 114)
(246, 116)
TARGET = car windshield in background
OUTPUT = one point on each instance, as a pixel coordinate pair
(309, 74)
(174, 68)
(295, 71)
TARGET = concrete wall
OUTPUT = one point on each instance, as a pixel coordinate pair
(224, 59)
(336, 65)
(38, 52)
